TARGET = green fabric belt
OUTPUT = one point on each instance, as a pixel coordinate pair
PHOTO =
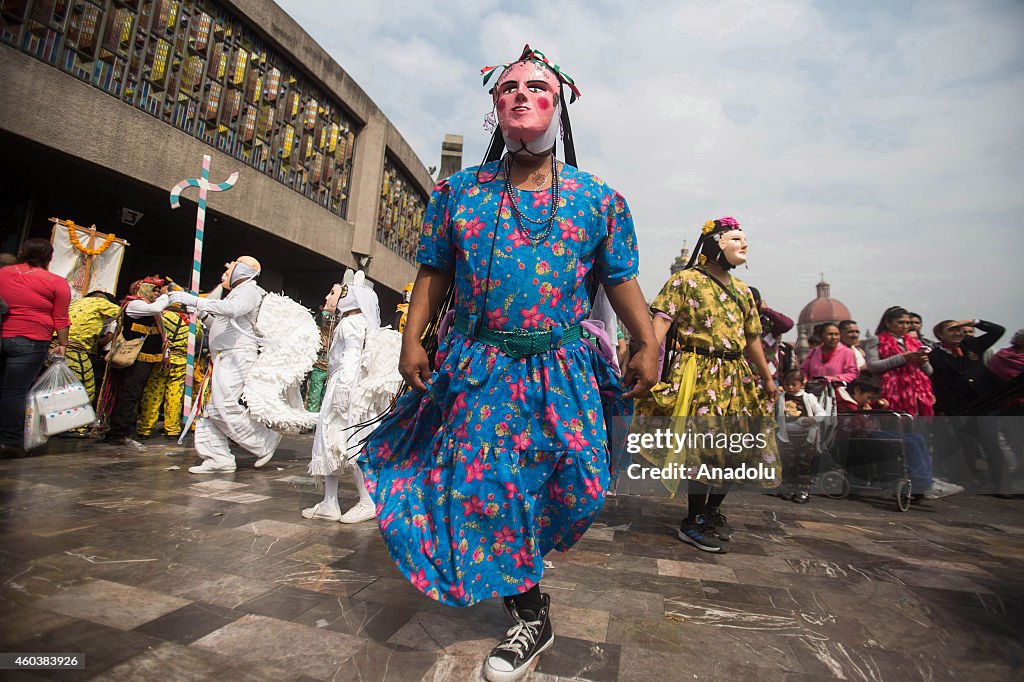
(520, 343)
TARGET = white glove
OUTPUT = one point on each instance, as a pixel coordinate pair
(184, 298)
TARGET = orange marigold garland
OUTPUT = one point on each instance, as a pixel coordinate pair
(73, 236)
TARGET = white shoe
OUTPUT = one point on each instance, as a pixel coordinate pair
(321, 510)
(207, 468)
(941, 489)
(263, 460)
(363, 511)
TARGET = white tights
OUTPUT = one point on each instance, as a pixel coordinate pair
(331, 488)
(364, 496)
(331, 491)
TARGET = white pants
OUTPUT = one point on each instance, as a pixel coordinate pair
(335, 447)
(225, 419)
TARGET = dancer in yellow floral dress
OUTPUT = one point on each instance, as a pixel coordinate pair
(711, 327)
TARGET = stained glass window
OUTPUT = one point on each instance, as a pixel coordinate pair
(195, 66)
(400, 212)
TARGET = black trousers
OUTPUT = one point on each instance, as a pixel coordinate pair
(961, 439)
(21, 359)
(130, 382)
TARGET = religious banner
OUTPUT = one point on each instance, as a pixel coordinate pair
(88, 259)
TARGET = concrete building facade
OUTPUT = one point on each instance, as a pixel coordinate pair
(107, 104)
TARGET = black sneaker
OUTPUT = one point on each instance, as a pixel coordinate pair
(716, 520)
(115, 440)
(509, 605)
(529, 635)
(701, 535)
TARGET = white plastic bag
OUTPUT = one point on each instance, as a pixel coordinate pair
(35, 435)
(57, 402)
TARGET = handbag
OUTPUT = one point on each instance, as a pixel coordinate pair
(123, 352)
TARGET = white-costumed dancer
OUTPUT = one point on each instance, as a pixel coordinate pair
(232, 338)
(362, 378)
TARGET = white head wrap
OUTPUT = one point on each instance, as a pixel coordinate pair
(242, 271)
(358, 294)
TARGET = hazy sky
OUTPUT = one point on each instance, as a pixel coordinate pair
(879, 142)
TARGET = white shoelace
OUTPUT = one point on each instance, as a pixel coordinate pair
(521, 636)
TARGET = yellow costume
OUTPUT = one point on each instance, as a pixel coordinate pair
(166, 385)
(88, 316)
(709, 376)
(402, 309)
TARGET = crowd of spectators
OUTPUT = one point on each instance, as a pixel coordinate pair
(39, 321)
(966, 399)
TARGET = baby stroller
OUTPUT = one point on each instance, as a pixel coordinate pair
(804, 433)
(825, 391)
(860, 462)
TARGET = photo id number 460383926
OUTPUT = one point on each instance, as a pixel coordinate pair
(42, 661)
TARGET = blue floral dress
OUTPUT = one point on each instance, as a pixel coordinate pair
(504, 459)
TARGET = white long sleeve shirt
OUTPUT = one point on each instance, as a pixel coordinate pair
(139, 308)
(347, 349)
(242, 304)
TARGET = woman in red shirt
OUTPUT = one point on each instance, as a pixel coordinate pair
(38, 306)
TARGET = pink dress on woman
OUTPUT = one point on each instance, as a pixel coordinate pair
(841, 364)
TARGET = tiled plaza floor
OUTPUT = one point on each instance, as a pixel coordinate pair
(157, 574)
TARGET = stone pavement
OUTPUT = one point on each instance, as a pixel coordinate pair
(155, 573)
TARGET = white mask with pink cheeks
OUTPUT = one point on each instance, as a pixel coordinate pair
(528, 106)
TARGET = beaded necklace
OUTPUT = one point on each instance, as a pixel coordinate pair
(513, 197)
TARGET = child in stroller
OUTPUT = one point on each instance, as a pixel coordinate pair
(862, 395)
(800, 435)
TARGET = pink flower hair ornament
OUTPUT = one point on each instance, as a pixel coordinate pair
(717, 227)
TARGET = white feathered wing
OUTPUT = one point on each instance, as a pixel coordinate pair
(289, 341)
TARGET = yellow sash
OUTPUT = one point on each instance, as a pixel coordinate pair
(676, 404)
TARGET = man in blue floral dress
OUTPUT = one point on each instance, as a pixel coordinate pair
(500, 454)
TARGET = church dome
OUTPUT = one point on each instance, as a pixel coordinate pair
(681, 260)
(824, 308)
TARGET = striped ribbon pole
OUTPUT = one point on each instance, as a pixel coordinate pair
(204, 185)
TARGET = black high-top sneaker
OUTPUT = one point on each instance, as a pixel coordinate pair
(509, 605)
(529, 635)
